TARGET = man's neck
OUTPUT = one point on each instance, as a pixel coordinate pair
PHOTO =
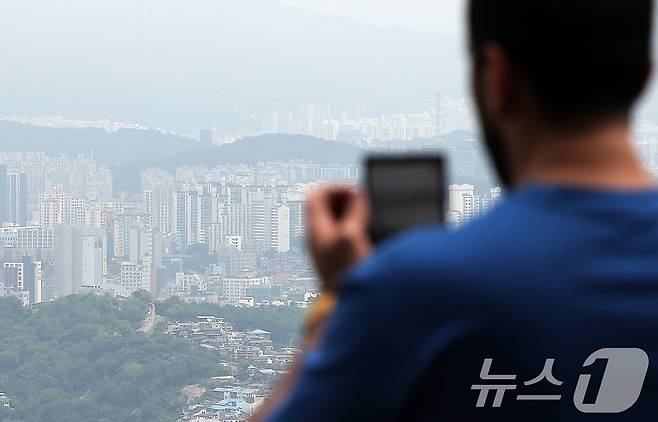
(601, 158)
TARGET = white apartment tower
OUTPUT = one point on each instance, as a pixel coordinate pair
(280, 229)
(54, 209)
(463, 204)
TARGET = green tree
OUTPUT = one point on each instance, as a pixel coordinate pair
(81, 358)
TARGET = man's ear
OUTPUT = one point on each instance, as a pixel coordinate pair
(498, 84)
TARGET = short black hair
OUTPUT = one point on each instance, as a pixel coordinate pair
(583, 58)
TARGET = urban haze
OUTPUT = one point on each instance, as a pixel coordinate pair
(155, 159)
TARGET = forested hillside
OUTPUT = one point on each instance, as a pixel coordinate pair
(81, 358)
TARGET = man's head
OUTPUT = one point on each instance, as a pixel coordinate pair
(564, 64)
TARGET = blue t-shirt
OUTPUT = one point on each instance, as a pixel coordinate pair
(544, 309)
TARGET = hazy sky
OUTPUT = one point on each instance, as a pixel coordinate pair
(181, 64)
(444, 16)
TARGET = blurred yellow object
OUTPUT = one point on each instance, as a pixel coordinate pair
(320, 311)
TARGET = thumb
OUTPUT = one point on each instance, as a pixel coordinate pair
(319, 219)
(354, 225)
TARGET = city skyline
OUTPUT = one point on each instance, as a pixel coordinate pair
(156, 160)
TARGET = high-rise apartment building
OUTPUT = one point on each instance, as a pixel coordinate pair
(135, 277)
(54, 209)
(24, 275)
(4, 198)
(236, 221)
(297, 221)
(158, 188)
(463, 203)
(280, 229)
(79, 258)
(17, 196)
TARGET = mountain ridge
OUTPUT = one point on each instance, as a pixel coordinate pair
(129, 151)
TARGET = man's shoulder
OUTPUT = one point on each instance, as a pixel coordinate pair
(442, 262)
(435, 248)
